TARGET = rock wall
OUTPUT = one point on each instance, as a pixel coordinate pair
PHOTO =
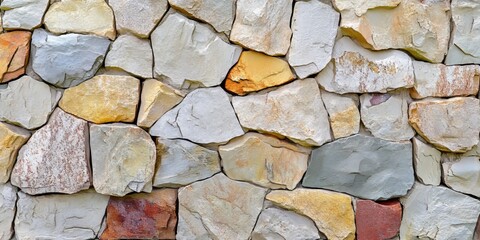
(239, 119)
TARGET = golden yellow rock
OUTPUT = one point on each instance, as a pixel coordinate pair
(256, 71)
(332, 212)
(12, 139)
(103, 99)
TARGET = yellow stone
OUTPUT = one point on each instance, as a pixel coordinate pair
(103, 99)
(332, 212)
(12, 139)
(345, 123)
(256, 71)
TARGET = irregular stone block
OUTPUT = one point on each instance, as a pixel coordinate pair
(14, 52)
(12, 138)
(23, 14)
(377, 221)
(343, 113)
(462, 173)
(426, 160)
(8, 199)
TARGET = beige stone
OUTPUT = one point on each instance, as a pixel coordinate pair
(342, 112)
(11, 139)
(427, 164)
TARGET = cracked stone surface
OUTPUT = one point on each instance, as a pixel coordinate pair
(12, 138)
(23, 14)
(8, 198)
(462, 173)
(427, 162)
(14, 53)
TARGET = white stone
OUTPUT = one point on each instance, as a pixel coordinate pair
(461, 173)
(427, 164)
(8, 199)
(343, 113)
(23, 14)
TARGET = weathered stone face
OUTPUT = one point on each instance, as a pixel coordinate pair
(12, 138)
(14, 52)
(131, 54)
(461, 173)
(427, 163)
(23, 14)
(343, 113)
(377, 221)
(8, 198)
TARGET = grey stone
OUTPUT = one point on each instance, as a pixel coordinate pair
(427, 162)
(131, 54)
(8, 199)
(23, 14)
(461, 173)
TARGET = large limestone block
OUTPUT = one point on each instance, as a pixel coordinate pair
(427, 162)
(8, 199)
(14, 53)
(12, 138)
(343, 113)
(23, 14)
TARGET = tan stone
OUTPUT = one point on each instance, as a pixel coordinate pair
(11, 139)
(332, 212)
(104, 98)
(14, 52)
(342, 112)
(256, 71)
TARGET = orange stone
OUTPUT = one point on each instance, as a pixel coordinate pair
(14, 52)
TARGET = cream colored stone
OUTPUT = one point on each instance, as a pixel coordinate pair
(427, 164)
(461, 173)
(11, 139)
(342, 112)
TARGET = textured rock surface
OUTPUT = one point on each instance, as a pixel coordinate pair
(204, 116)
(377, 221)
(438, 213)
(256, 71)
(104, 98)
(294, 110)
(264, 160)
(343, 113)
(426, 160)
(8, 198)
(131, 54)
(59, 216)
(450, 125)
(218, 208)
(142, 216)
(314, 26)
(14, 52)
(358, 70)
(123, 159)
(87, 16)
(332, 212)
(67, 60)
(27, 102)
(181, 162)
(184, 51)
(48, 164)
(362, 166)
(462, 173)
(12, 138)
(23, 14)
(268, 21)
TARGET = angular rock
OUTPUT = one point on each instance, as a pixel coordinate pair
(181, 163)
(204, 116)
(87, 16)
(27, 102)
(218, 208)
(427, 164)
(23, 14)
(138, 17)
(59, 216)
(67, 60)
(431, 212)
(56, 159)
(377, 221)
(219, 14)
(461, 173)
(386, 115)
(8, 198)
(268, 21)
(314, 26)
(189, 54)
(263, 160)
(142, 216)
(362, 166)
(274, 223)
(343, 113)
(14, 52)
(103, 99)
(449, 124)
(332, 212)
(256, 71)
(354, 69)
(12, 138)
(123, 159)
(421, 28)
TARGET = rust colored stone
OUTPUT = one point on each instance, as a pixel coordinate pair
(14, 52)
(377, 220)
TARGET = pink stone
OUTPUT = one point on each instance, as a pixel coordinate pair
(377, 220)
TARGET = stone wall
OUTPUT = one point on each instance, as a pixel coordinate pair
(239, 119)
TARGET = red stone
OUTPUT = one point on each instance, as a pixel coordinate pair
(142, 216)
(377, 220)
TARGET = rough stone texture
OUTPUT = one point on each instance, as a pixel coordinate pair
(343, 113)
(123, 159)
(358, 70)
(256, 71)
(8, 198)
(268, 21)
(332, 212)
(86, 16)
(138, 17)
(131, 54)
(189, 54)
(27, 102)
(377, 221)
(181, 162)
(218, 208)
(386, 115)
(295, 111)
(156, 99)
(142, 216)
(103, 99)
(23, 14)
(439, 213)
(314, 26)
(59, 216)
(438, 80)
(219, 14)
(426, 160)
(449, 124)
(14, 52)
(204, 116)
(12, 138)
(274, 223)
(363, 166)
(462, 173)
(56, 158)
(264, 160)
(419, 27)
(67, 60)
